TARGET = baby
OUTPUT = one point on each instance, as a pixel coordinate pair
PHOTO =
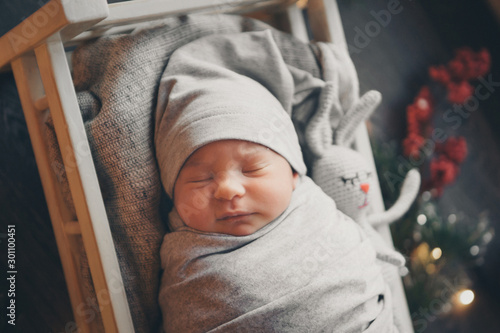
(255, 245)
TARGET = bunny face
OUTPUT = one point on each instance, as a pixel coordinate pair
(343, 174)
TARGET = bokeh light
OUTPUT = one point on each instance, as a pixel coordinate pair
(466, 296)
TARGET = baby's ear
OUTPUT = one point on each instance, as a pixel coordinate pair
(295, 179)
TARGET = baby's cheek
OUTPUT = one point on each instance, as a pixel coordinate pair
(200, 198)
(194, 217)
(276, 204)
(193, 204)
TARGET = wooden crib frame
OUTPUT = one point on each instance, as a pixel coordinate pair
(35, 51)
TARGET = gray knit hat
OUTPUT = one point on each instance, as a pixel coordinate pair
(215, 89)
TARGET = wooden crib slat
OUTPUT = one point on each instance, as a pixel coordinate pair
(41, 104)
(126, 16)
(144, 10)
(84, 186)
(72, 228)
(297, 25)
(325, 21)
(26, 35)
(69, 17)
(30, 87)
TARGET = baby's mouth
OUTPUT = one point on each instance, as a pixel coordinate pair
(231, 216)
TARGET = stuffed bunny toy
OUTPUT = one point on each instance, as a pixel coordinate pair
(340, 171)
(343, 173)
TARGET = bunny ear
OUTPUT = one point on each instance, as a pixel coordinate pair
(330, 66)
(319, 135)
(360, 111)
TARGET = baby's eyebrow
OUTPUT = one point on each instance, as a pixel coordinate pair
(194, 163)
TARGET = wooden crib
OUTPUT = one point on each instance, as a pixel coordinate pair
(35, 51)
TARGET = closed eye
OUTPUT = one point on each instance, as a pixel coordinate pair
(254, 169)
(200, 180)
(359, 177)
(349, 180)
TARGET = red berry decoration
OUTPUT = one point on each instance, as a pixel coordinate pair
(455, 77)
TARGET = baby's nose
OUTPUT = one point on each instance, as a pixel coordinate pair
(365, 187)
(228, 187)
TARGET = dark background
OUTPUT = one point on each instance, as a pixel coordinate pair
(395, 62)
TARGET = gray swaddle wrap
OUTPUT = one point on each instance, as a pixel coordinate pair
(310, 270)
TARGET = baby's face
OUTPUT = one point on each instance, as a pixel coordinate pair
(233, 187)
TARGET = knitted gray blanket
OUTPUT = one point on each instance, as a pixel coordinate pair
(310, 270)
(117, 82)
